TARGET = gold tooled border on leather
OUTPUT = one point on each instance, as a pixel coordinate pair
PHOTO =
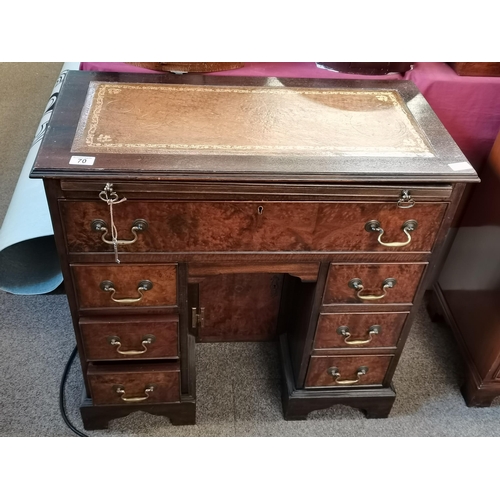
(87, 143)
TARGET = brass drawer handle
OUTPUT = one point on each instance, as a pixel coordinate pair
(357, 284)
(406, 201)
(138, 226)
(334, 372)
(146, 340)
(121, 390)
(407, 227)
(143, 286)
(344, 331)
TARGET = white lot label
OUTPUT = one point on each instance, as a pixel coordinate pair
(82, 160)
(463, 165)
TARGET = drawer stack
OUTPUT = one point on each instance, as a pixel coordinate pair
(114, 341)
(360, 256)
(128, 317)
(356, 348)
(369, 251)
(364, 308)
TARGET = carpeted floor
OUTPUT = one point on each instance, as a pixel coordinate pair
(238, 389)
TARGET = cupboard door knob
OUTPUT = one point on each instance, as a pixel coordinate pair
(344, 331)
(120, 389)
(116, 341)
(143, 286)
(138, 226)
(335, 373)
(357, 284)
(407, 227)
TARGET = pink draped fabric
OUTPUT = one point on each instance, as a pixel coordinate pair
(468, 106)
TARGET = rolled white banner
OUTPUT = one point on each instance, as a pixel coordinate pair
(29, 264)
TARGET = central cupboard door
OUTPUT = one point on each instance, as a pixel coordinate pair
(239, 307)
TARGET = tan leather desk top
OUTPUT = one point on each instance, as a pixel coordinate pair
(161, 118)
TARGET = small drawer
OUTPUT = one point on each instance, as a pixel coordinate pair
(358, 330)
(346, 371)
(125, 285)
(372, 283)
(133, 384)
(251, 226)
(131, 338)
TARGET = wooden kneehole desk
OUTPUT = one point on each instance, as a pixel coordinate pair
(187, 209)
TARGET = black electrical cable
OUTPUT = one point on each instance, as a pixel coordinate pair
(61, 395)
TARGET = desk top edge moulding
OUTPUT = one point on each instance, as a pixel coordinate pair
(314, 129)
(187, 209)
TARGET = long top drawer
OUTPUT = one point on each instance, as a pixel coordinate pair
(251, 226)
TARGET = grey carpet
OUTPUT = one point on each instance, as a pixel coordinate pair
(238, 389)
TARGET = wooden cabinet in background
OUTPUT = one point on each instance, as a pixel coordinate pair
(476, 68)
(467, 292)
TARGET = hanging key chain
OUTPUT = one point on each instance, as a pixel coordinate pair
(111, 198)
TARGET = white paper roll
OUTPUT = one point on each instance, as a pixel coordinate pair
(28, 258)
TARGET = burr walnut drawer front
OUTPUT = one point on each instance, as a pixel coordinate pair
(130, 338)
(372, 283)
(125, 285)
(359, 330)
(267, 226)
(132, 384)
(345, 371)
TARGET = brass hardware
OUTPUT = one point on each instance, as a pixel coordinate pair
(344, 331)
(357, 284)
(146, 340)
(407, 227)
(143, 286)
(406, 201)
(138, 226)
(120, 389)
(110, 197)
(98, 225)
(197, 319)
(334, 372)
